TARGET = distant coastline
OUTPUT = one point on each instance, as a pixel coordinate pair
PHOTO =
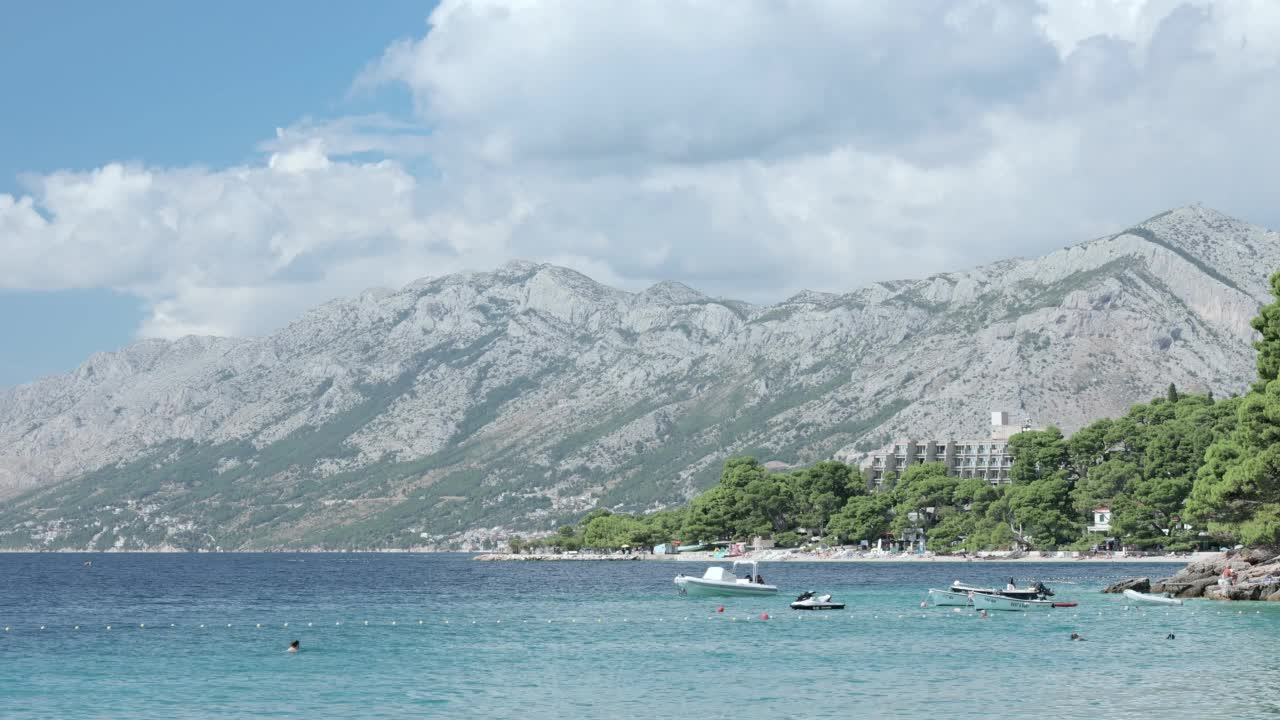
(797, 556)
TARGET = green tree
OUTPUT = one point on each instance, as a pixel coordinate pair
(1237, 491)
(1037, 503)
(863, 517)
(923, 494)
(1171, 395)
(710, 516)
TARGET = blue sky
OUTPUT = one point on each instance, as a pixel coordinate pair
(168, 84)
(175, 168)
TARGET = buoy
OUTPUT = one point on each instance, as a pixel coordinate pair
(286, 624)
(109, 627)
(924, 603)
(393, 622)
(77, 627)
(6, 628)
(201, 624)
(309, 624)
(258, 626)
(41, 627)
(720, 609)
(141, 625)
(764, 616)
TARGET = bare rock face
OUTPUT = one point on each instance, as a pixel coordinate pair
(1141, 585)
(458, 408)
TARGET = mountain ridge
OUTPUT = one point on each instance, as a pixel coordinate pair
(468, 404)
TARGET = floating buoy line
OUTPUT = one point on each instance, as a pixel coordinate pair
(701, 614)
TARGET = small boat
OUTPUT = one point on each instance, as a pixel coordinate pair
(949, 597)
(724, 582)
(1136, 596)
(962, 595)
(1000, 602)
(809, 601)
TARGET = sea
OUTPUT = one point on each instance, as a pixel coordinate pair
(441, 636)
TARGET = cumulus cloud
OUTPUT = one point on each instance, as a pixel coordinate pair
(749, 149)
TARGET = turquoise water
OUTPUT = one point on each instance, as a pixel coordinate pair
(599, 640)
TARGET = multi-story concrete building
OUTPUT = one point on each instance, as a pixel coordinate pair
(987, 458)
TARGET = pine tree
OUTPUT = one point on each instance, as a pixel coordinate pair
(1238, 489)
(1171, 394)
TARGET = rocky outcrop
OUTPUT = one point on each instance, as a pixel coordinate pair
(460, 408)
(1142, 585)
(1256, 577)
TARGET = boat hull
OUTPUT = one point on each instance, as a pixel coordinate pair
(713, 588)
(949, 597)
(1136, 596)
(998, 602)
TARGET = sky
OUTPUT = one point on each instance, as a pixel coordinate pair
(170, 169)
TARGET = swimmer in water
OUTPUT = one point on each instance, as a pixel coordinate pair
(1076, 636)
(982, 614)
(294, 646)
(1170, 636)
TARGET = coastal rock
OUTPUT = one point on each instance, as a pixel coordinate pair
(1196, 588)
(1142, 585)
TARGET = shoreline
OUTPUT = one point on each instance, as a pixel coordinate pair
(766, 557)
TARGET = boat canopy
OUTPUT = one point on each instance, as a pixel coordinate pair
(749, 563)
(719, 574)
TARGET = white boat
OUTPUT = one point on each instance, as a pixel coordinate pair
(949, 597)
(724, 582)
(1136, 596)
(1000, 602)
(961, 595)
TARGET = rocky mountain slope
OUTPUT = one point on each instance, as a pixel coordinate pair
(460, 406)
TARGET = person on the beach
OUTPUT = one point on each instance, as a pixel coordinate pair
(1076, 636)
(294, 646)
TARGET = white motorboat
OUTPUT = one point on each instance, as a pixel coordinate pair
(1000, 602)
(961, 595)
(809, 601)
(949, 597)
(724, 582)
(1136, 596)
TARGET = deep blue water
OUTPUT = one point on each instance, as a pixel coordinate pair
(448, 637)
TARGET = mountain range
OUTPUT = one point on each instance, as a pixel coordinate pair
(460, 408)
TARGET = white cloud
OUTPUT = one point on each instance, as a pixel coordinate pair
(749, 149)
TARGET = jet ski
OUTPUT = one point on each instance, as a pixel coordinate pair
(809, 601)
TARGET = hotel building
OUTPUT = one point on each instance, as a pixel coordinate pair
(987, 458)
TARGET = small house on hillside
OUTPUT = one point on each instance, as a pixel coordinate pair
(1101, 519)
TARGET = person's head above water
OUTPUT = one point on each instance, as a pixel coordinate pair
(294, 646)
(1076, 636)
